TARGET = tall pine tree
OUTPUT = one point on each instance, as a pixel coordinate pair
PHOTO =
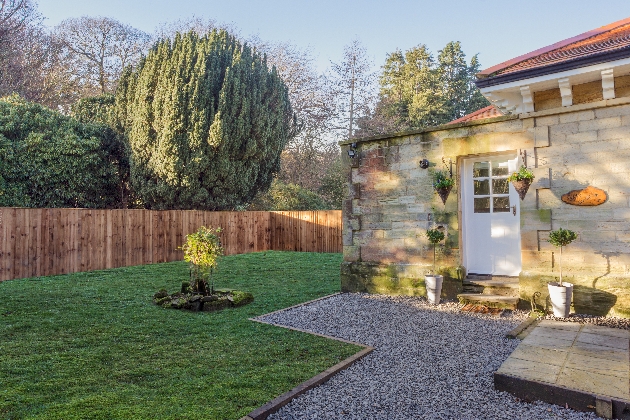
(206, 121)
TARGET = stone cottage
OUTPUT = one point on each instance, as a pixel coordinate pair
(564, 112)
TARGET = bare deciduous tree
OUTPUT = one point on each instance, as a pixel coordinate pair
(15, 15)
(97, 50)
(38, 72)
(307, 157)
(353, 84)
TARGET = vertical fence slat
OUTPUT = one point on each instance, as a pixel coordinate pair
(8, 244)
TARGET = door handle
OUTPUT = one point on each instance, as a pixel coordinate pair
(514, 210)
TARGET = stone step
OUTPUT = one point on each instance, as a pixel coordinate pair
(504, 286)
(471, 278)
(491, 301)
(479, 276)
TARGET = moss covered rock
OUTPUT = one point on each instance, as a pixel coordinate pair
(220, 299)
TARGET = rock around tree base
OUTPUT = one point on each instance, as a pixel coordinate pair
(217, 301)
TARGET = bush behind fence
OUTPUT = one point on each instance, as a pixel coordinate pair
(43, 242)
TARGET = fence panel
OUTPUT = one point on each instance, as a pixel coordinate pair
(43, 242)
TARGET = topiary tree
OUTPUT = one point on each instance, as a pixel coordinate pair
(561, 238)
(206, 120)
(51, 160)
(202, 251)
(435, 236)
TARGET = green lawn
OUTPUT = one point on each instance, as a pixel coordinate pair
(93, 346)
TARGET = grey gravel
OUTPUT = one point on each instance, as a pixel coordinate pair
(429, 362)
(604, 321)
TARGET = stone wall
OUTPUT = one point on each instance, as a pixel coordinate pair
(391, 203)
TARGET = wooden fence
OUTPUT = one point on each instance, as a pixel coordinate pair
(42, 242)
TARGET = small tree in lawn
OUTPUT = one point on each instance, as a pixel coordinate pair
(561, 238)
(202, 250)
(435, 236)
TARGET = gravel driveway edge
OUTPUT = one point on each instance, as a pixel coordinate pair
(277, 403)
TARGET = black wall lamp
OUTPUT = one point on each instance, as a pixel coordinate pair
(448, 165)
(353, 150)
(523, 154)
(424, 164)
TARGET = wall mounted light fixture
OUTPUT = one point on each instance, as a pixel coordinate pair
(424, 163)
(523, 154)
(448, 165)
(353, 150)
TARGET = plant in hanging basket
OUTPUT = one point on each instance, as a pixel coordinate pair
(521, 180)
(442, 183)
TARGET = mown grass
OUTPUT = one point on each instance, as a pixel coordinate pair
(93, 346)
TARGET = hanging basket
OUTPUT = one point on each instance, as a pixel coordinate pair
(443, 193)
(521, 187)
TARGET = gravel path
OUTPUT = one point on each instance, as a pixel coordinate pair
(429, 363)
(604, 321)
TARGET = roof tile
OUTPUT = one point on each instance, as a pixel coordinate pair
(609, 38)
(484, 113)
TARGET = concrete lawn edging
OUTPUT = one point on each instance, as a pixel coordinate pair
(264, 411)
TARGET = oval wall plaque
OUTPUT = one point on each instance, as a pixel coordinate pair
(589, 196)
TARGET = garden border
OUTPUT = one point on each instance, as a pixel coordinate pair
(274, 405)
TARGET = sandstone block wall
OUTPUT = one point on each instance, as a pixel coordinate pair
(391, 204)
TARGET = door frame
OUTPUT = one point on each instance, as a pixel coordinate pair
(460, 199)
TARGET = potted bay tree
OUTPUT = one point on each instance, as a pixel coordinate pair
(433, 281)
(561, 293)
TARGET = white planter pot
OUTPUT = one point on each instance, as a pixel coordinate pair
(433, 284)
(560, 298)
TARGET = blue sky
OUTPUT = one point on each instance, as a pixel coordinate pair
(497, 30)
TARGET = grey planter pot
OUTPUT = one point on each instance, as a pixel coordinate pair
(433, 284)
(560, 298)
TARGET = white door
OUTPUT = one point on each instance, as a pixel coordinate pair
(491, 216)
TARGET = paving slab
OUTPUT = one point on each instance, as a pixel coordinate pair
(599, 352)
(614, 332)
(604, 340)
(596, 364)
(571, 326)
(597, 383)
(536, 354)
(547, 342)
(586, 367)
(555, 333)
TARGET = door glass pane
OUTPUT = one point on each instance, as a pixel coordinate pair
(482, 205)
(500, 186)
(481, 169)
(500, 204)
(499, 168)
(482, 187)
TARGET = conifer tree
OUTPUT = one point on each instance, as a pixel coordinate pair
(206, 121)
(418, 91)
